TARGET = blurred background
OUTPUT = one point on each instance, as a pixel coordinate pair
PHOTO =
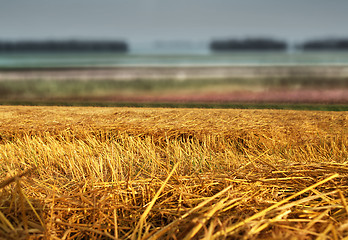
(116, 52)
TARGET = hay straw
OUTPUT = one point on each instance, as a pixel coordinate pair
(232, 228)
(6, 223)
(203, 219)
(142, 220)
(10, 180)
(192, 210)
(123, 173)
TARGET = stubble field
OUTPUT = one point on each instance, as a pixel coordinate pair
(146, 173)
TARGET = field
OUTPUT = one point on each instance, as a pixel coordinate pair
(145, 173)
(177, 86)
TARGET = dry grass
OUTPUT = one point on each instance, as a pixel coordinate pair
(123, 173)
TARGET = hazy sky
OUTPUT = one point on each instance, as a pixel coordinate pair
(147, 20)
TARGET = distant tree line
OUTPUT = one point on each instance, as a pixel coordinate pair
(249, 44)
(268, 44)
(63, 46)
(325, 44)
